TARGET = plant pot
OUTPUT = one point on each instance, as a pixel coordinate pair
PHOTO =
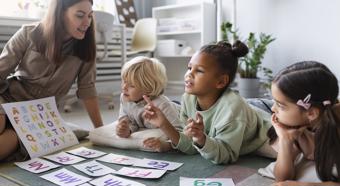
(248, 88)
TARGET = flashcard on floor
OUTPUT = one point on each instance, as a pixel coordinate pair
(183, 181)
(110, 180)
(157, 164)
(65, 177)
(86, 152)
(118, 159)
(85, 184)
(64, 158)
(94, 168)
(140, 173)
(36, 165)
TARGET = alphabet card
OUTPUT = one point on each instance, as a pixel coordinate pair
(94, 168)
(157, 164)
(64, 158)
(40, 126)
(110, 180)
(118, 159)
(36, 165)
(140, 173)
(86, 152)
(65, 177)
(183, 181)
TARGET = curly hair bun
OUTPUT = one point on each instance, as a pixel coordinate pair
(239, 49)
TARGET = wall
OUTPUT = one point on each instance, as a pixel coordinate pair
(305, 29)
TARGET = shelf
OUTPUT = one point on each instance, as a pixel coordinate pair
(179, 32)
(178, 56)
(176, 6)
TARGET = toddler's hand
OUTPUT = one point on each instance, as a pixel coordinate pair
(156, 144)
(195, 130)
(123, 129)
(152, 114)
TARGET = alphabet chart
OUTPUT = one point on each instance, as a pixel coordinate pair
(118, 159)
(157, 164)
(40, 126)
(110, 180)
(86, 152)
(94, 168)
(64, 158)
(65, 177)
(36, 165)
(141, 173)
(183, 181)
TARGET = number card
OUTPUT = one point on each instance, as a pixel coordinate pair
(64, 158)
(157, 164)
(94, 168)
(65, 177)
(183, 181)
(40, 126)
(141, 173)
(118, 159)
(86, 152)
(110, 180)
(36, 165)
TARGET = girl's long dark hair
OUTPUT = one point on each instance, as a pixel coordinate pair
(54, 30)
(314, 78)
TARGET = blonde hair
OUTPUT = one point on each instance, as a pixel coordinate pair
(146, 74)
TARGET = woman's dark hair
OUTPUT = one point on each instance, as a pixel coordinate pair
(54, 30)
(310, 77)
(226, 56)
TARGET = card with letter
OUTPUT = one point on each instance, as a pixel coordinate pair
(118, 159)
(141, 173)
(114, 180)
(86, 152)
(183, 181)
(36, 165)
(39, 126)
(157, 164)
(93, 168)
(65, 177)
(64, 158)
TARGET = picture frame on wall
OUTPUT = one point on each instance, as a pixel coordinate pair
(126, 12)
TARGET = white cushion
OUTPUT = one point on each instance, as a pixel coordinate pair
(106, 136)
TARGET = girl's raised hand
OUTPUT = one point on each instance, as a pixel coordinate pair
(152, 114)
(195, 130)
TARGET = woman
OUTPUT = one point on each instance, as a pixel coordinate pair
(45, 59)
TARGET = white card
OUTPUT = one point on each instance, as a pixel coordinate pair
(118, 159)
(64, 158)
(157, 164)
(183, 181)
(65, 177)
(114, 180)
(39, 126)
(36, 165)
(93, 168)
(141, 173)
(86, 152)
(85, 184)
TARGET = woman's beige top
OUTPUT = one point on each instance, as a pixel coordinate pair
(26, 74)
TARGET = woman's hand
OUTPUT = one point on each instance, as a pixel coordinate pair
(195, 130)
(122, 128)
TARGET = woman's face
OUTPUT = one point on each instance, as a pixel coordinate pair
(77, 19)
(286, 112)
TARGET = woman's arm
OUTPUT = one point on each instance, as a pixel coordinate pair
(92, 107)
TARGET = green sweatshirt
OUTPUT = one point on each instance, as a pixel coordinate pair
(232, 128)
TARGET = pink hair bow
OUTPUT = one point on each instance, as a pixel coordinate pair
(305, 102)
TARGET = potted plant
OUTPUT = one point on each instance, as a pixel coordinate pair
(251, 64)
